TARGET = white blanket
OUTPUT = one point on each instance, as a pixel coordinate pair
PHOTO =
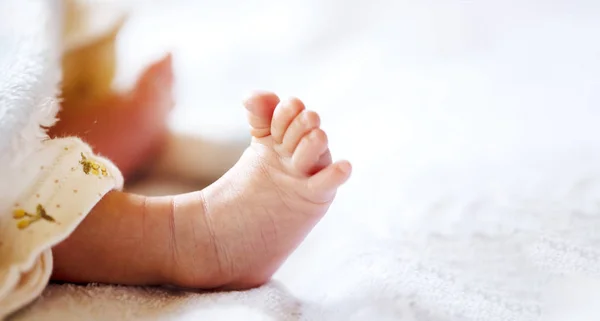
(473, 128)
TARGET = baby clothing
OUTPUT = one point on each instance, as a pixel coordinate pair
(47, 187)
(68, 180)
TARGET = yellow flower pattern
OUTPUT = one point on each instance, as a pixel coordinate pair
(26, 219)
(92, 167)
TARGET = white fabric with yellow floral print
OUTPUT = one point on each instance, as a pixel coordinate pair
(68, 181)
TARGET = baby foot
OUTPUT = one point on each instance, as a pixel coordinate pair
(261, 209)
(235, 233)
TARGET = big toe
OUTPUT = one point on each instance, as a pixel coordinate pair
(260, 106)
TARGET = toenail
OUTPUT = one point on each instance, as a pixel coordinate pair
(247, 100)
(249, 97)
(295, 103)
(288, 102)
(305, 119)
(318, 135)
(345, 167)
(311, 119)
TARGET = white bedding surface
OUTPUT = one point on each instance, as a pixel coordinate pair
(473, 130)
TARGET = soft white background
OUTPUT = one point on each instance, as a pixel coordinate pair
(422, 96)
(473, 127)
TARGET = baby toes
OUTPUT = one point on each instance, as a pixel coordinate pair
(260, 106)
(323, 186)
(312, 153)
(300, 126)
(283, 116)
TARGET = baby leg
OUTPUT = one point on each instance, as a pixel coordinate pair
(236, 232)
